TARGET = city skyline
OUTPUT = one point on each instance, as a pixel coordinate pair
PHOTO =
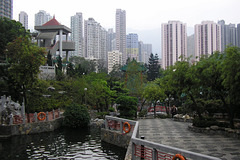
(143, 19)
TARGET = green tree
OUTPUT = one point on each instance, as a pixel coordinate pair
(9, 31)
(127, 106)
(116, 74)
(59, 69)
(25, 59)
(153, 67)
(101, 94)
(88, 66)
(231, 76)
(49, 59)
(76, 116)
(70, 70)
(184, 81)
(153, 93)
(134, 78)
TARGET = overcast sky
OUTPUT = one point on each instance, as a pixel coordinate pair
(141, 15)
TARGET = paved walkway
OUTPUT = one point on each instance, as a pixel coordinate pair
(176, 134)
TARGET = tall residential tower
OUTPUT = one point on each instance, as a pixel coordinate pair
(207, 38)
(77, 34)
(174, 42)
(23, 18)
(132, 46)
(42, 17)
(6, 8)
(121, 33)
(228, 34)
(95, 39)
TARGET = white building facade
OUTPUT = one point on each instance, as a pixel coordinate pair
(42, 17)
(174, 42)
(207, 38)
(121, 33)
(77, 34)
(23, 18)
(95, 40)
(114, 58)
(132, 46)
(228, 35)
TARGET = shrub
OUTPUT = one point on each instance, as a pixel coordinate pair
(127, 107)
(142, 113)
(101, 115)
(209, 121)
(163, 116)
(76, 116)
(111, 109)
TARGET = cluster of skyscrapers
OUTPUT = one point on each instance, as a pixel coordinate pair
(94, 42)
(208, 37)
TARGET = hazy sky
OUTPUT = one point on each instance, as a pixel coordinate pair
(142, 15)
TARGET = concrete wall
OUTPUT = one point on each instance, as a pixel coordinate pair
(115, 137)
(30, 128)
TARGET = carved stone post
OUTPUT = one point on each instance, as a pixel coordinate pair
(47, 116)
(24, 119)
(53, 114)
(35, 117)
(11, 119)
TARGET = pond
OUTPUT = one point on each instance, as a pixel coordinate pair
(60, 144)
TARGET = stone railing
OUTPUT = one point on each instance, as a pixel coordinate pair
(33, 117)
(140, 148)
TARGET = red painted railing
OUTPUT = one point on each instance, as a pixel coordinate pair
(32, 117)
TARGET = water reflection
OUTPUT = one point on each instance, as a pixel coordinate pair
(60, 144)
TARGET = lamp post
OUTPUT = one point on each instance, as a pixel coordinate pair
(85, 90)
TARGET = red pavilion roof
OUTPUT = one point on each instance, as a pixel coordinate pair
(52, 22)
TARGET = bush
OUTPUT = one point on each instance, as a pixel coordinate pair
(127, 107)
(163, 116)
(209, 121)
(111, 109)
(76, 116)
(142, 113)
(101, 115)
(205, 122)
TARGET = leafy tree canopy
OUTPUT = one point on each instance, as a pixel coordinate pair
(9, 31)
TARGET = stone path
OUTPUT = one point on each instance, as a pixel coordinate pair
(176, 134)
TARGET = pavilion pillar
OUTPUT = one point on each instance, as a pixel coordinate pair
(60, 42)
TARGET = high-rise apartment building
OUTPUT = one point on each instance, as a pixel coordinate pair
(110, 40)
(6, 8)
(191, 48)
(114, 58)
(42, 17)
(238, 35)
(228, 35)
(174, 42)
(132, 46)
(207, 38)
(95, 39)
(144, 52)
(23, 18)
(77, 34)
(121, 33)
(148, 50)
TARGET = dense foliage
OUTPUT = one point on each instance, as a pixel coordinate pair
(76, 116)
(24, 59)
(153, 68)
(9, 31)
(207, 86)
(127, 106)
(210, 85)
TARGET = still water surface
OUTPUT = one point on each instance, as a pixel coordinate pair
(60, 144)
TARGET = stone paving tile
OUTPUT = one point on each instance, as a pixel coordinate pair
(176, 134)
